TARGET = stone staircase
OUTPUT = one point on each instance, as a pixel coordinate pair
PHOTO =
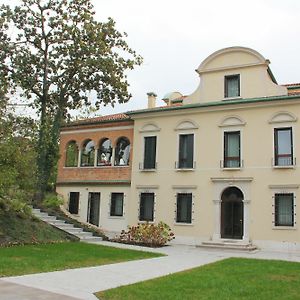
(228, 245)
(69, 228)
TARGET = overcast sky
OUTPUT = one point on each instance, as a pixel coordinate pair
(175, 36)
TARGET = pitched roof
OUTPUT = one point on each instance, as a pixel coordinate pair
(293, 88)
(291, 85)
(102, 119)
(294, 92)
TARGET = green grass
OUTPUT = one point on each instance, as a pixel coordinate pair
(26, 230)
(233, 278)
(19, 260)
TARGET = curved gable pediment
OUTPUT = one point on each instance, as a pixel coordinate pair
(232, 56)
(283, 117)
(232, 121)
(186, 125)
(150, 127)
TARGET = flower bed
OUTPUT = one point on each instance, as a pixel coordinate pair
(149, 235)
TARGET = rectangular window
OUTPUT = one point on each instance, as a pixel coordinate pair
(284, 209)
(283, 146)
(74, 202)
(186, 151)
(184, 208)
(232, 86)
(146, 207)
(116, 204)
(232, 153)
(150, 152)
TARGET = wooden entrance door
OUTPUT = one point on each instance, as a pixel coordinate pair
(232, 214)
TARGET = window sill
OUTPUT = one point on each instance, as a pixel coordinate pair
(121, 166)
(284, 227)
(183, 224)
(232, 98)
(185, 169)
(104, 166)
(148, 170)
(117, 217)
(146, 222)
(285, 167)
(97, 167)
(87, 167)
(232, 169)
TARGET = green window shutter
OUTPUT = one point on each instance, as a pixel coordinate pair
(150, 152)
(147, 207)
(74, 202)
(186, 151)
(184, 208)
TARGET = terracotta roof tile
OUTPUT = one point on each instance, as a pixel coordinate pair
(294, 92)
(166, 106)
(108, 118)
(291, 84)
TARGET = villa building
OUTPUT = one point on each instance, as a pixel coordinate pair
(217, 165)
(94, 172)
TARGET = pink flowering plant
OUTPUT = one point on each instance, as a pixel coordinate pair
(146, 234)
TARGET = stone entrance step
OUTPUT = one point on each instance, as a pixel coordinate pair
(228, 245)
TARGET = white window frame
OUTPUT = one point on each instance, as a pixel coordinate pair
(186, 132)
(232, 129)
(284, 189)
(79, 202)
(282, 126)
(192, 208)
(141, 164)
(139, 206)
(228, 75)
(183, 189)
(109, 206)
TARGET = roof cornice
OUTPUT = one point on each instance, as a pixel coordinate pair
(224, 103)
(93, 182)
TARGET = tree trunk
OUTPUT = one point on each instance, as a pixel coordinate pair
(54, 146)
(42, 154)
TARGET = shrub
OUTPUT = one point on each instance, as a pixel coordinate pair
(52, 201)
(17, 206)
(151, 235)
(21, 208)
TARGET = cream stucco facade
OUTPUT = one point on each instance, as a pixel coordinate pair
(261, 183)
(257, 178)
(256, 78)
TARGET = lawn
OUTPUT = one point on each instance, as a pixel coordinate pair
(233, 278)
(26, 230)
(19, 260)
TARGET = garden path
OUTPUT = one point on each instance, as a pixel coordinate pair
(82, 283)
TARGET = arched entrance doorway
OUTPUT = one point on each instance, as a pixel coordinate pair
(232, 213)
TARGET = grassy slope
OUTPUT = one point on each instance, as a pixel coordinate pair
(28, 259)
(16, 230)
(233, 278)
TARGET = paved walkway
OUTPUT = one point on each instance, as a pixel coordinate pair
(82, 283)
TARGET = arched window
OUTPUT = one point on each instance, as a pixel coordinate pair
(71, 154)
(122, 152)
(104, 153)
(88, 154)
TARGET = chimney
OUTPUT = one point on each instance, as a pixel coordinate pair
(151, 99)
